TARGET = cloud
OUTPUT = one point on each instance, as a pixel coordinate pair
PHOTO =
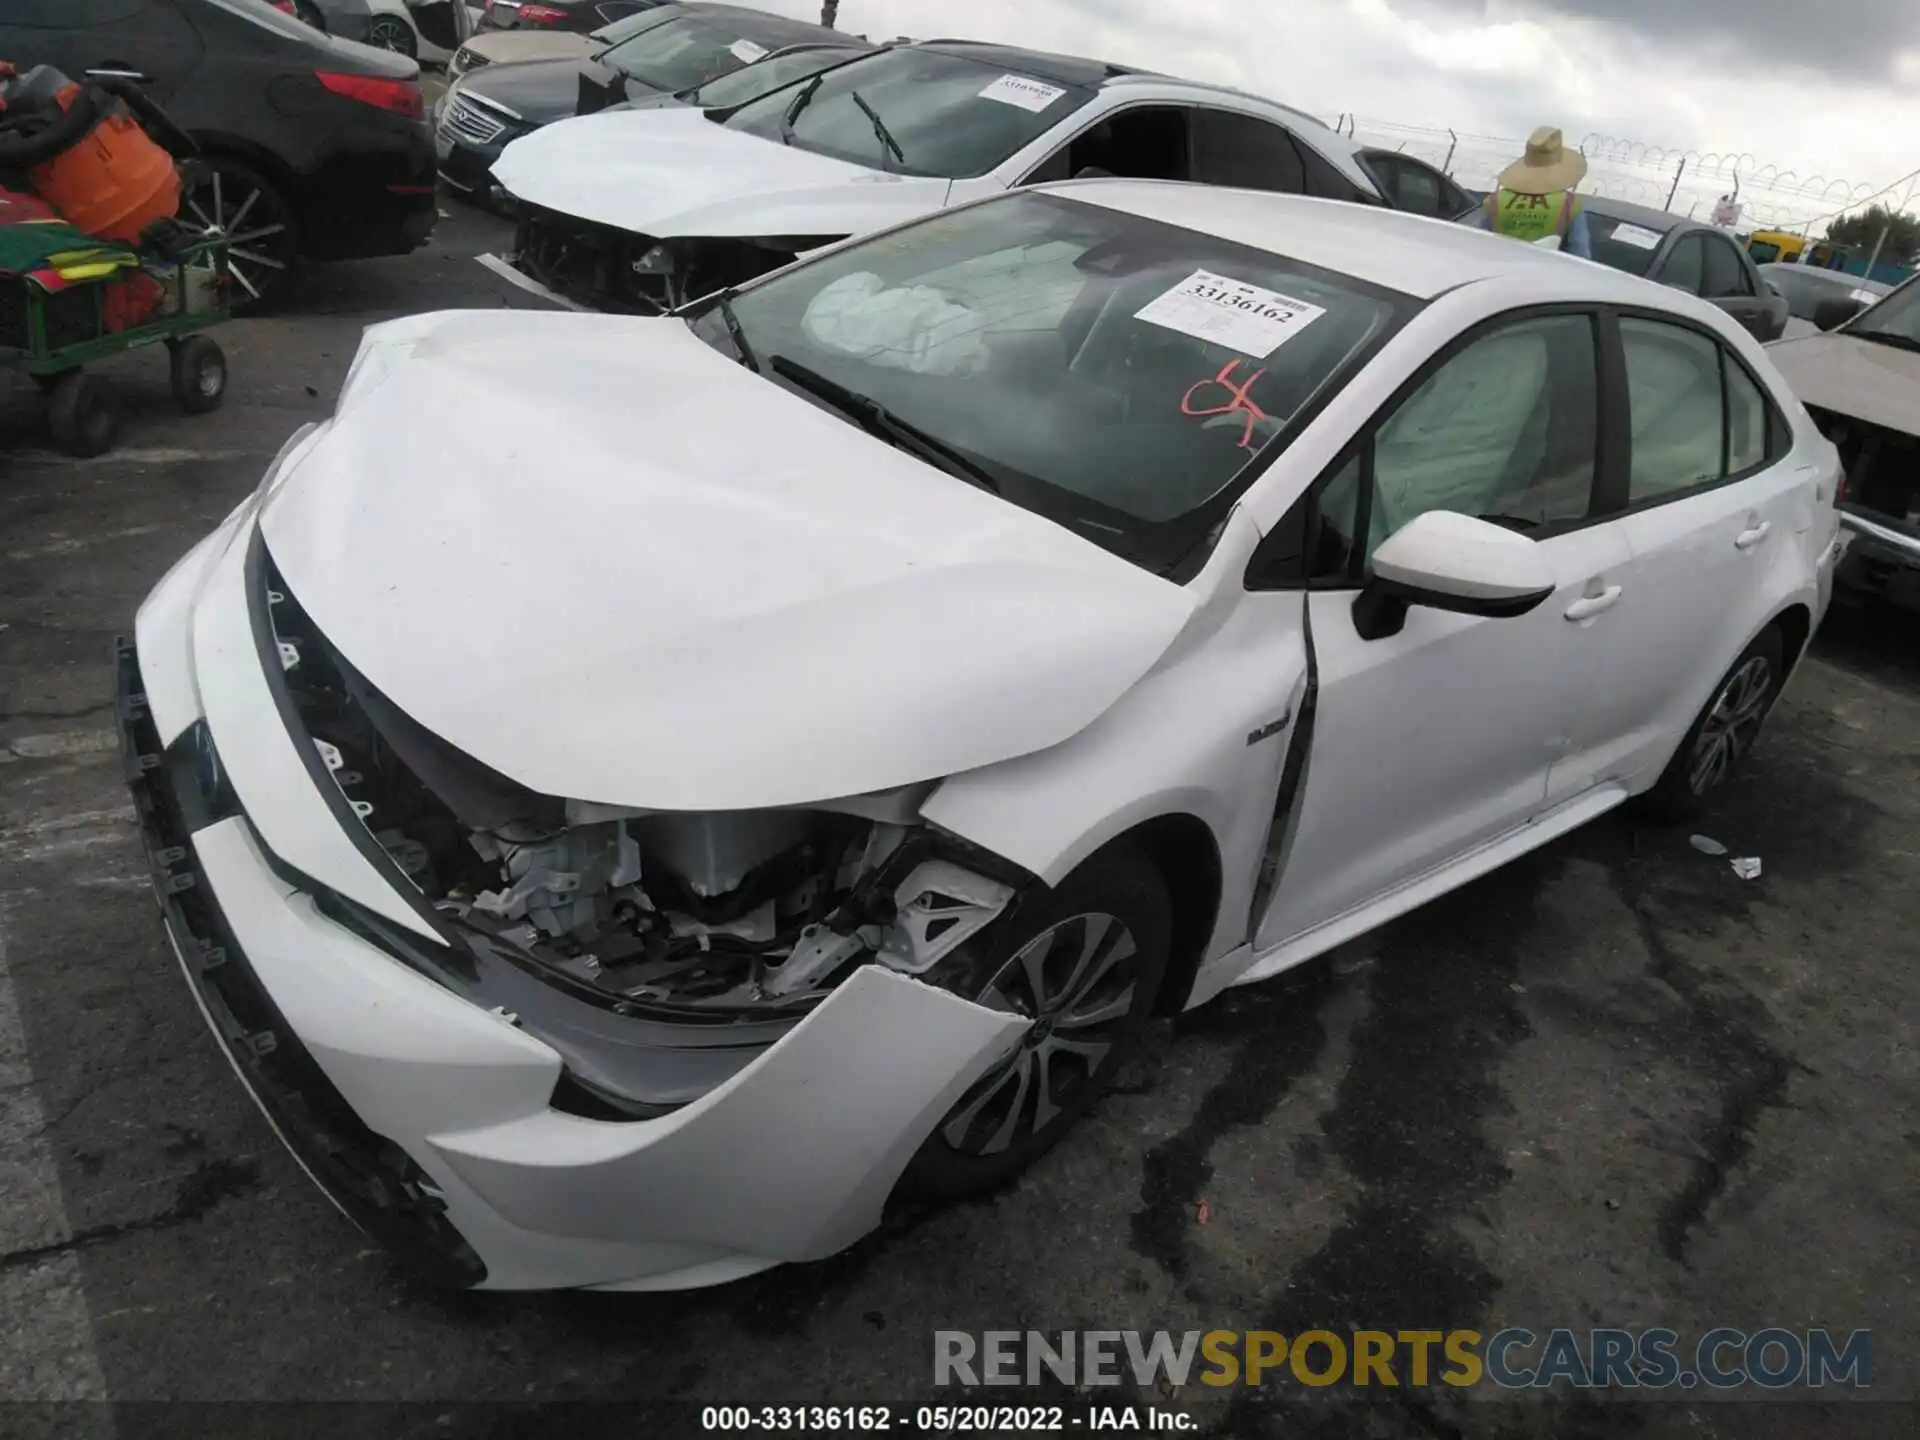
(1843, 39)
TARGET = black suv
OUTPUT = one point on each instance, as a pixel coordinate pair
(311, 148)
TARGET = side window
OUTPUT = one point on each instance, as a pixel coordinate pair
(1724, 275)
(1505, 430)
(1150, 143)
(1414, 188)
(1673, 389)
(1684, 266)
(1748, 419)
(1230, 149)
(1326, 180)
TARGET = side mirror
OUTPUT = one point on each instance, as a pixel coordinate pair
(1451, 562)
(1832, 314)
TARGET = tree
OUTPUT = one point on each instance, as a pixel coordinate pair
(829, 12)
(1861, 232)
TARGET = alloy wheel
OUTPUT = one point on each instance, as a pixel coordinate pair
(1075, 981)
(1731, 724)
(233, 206)
(390, 32)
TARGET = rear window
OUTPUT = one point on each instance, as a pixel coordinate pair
(1622, 244)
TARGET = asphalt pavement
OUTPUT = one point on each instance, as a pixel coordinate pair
(1613, 1084)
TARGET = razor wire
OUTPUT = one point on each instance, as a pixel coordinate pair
(1687, 181)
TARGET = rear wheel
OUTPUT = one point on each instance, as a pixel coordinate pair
(1723, 733)
(233, 202)
(198, 372)
(390, 32)
(1083, 964)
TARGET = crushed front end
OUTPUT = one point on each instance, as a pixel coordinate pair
(600, 267)
(1880, 508)
(534, 1042)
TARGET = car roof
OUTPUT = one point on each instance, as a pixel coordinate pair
(1041, 64)
(1645, 216)
(1412, 254)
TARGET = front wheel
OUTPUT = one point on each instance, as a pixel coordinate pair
(1723, 733)
(1083, 964)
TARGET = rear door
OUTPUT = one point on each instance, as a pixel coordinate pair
(149, 36)
(1432, 742)
(1709, 503)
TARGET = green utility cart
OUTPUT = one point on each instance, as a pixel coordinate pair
(54, 334)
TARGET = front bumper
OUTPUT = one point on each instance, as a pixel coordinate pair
(429, 1119)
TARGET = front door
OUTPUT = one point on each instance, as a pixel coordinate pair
(1432, 742)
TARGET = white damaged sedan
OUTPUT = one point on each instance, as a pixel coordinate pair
(749, 760)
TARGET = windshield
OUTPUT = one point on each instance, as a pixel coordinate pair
(916, 112)
(1118, 375)
(1621, 244)
(763, 77)
(1896, 319)
(683, 52)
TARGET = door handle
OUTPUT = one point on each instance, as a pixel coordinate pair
(1747, 539)
(1591, 605)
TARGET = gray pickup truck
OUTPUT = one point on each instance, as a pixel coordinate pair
(1859, 377)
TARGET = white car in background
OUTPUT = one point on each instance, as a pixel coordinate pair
(636, 211)
(825, 724)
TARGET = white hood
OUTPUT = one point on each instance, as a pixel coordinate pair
(670, 173)
(613, 564)
(1837, 372)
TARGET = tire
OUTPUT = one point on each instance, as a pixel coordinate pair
(311, 14)
(84, 414)
(198, 374)
(51, 382)
(231, 198)
(1113, 910)
(1722, 735)
(390, 32)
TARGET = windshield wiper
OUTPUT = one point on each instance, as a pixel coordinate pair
(723, 302)
(800, 102)
(876, 419)
(1885, 337)
(880, 131)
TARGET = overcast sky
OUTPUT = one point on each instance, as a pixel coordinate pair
(1823, 87)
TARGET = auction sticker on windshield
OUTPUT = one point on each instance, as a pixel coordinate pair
(1018, 90)
(1230, 312)
(747, 51)
(1637, 237)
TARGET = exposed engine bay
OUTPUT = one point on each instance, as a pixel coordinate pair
(625, 274)
(727, 914)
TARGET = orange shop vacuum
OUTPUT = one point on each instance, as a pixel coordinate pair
(81, 149)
